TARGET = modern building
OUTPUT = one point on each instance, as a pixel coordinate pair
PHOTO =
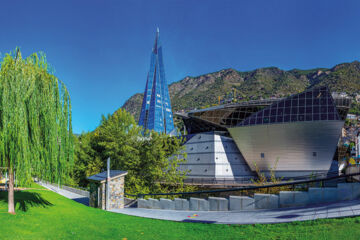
(295, 136)
(156, 113)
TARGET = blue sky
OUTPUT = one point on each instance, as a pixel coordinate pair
(101, 49)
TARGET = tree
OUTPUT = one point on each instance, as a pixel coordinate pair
(35, 122)
(151, 159)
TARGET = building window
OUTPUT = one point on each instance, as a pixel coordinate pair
(262, 155)
(314, 154)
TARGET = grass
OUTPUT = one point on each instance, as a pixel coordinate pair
(44, 214)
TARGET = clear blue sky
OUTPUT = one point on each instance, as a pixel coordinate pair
(101, 49)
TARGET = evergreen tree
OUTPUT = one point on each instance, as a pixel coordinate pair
(35, 122)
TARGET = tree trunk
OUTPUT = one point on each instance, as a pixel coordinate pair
(11, 191)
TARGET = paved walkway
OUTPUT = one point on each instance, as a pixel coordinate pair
(333, 210)
(76, 197)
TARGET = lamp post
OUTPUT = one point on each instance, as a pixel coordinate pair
(108, 185)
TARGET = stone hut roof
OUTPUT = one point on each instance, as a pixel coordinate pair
(102, 176)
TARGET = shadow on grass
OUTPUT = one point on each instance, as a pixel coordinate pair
(25, 200)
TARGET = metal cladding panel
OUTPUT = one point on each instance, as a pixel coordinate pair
(297, 146)
(213, 156)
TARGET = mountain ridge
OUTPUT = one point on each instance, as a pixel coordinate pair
(204, 90)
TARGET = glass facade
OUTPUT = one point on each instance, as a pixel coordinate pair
(156, 113)
(313, 105)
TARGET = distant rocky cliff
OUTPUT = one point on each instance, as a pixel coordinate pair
(204, 90)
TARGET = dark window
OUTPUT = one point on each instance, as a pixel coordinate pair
(309, 109)
(266, 119)
(316, 101)
(266, 112)
(329, 101)
(331, 109)
(316, 109)
(287, 110)
(293, 118)
(273, 119)
(287, 118)
(273, 111)
(316, 93)
(262, 155)
(252, 120)
(316, 117)
(323, 101)
(301, 118)
(301, 110)
(308, 94)
(323, 109)
(281, 104)
(301, 102)
(280, 111)
(323, 116)
(337, 117)
(246, 122)
(294, 110)
(314, 154)
(302, 96)
(279, 118)
(331, 116)
(288, 103)
(294, 102)
(308, 117)
(308, 102)
(259, 121)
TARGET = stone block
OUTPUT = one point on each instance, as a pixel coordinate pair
(344, 191)
(266, 201)
(218, 204)
(330, 194)
(355, 190)
(241, 203)
(316, 195)
(142, 203)
(154, 203)
(167, 204)
(293, 198)
(181, 204)
(199, 204)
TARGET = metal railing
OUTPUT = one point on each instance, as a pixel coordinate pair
(292, 185)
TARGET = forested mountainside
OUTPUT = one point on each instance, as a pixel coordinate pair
(205, 90)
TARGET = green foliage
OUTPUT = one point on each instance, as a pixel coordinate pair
(35, 119)
(148, 159)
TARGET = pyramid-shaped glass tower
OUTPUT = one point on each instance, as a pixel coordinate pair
(156, 113)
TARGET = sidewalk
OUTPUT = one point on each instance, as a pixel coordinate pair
(332, 210)
(76, 197)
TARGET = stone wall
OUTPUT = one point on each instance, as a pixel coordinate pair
(343, 192)
(117, 193)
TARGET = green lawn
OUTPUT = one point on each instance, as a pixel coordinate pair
(43, 214)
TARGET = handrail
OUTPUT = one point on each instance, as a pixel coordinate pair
(244, 188)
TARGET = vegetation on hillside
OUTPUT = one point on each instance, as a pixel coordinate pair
(205, 90)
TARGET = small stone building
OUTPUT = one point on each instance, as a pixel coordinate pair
(116, 190)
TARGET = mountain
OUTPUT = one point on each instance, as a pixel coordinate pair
(205, 90)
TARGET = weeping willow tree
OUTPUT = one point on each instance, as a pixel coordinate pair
(35, 122)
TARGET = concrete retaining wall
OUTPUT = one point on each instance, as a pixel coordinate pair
(70, 189)
(343, 191)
